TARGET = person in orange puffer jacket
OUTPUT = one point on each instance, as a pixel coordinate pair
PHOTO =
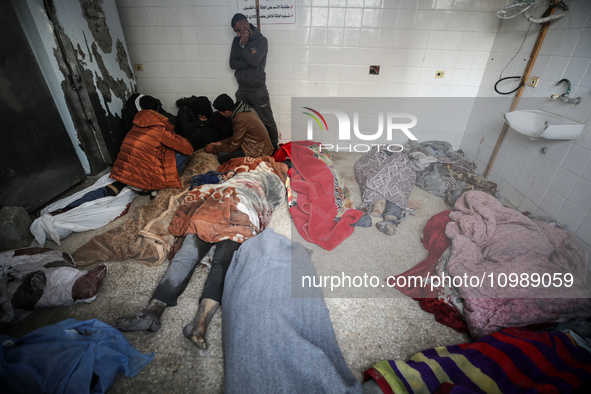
(151, 155)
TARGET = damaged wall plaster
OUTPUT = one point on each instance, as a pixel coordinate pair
(92, 11)
(123, 59)
(94, 29)
(92, 35)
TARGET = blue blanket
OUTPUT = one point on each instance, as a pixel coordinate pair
(68, 357)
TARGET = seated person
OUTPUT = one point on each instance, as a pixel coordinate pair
(195, 123)
(137, 102)
(150, 159)
(152, 154)
(224, 215)
(250, 137)
(222, 124)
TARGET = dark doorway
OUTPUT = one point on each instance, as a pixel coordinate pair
(38, 160)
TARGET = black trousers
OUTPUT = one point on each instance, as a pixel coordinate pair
(225, 156)
(259, 99)
(183, 264)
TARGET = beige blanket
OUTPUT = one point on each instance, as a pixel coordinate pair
(145, 237)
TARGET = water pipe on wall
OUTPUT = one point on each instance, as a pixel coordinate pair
(552, 17)
(528, 68)
(258, 15)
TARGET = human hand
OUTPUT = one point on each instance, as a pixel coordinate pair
(209, 147)
(244, 38)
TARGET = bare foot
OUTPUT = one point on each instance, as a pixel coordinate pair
(199, 340)
(196, 330)
(387, 227)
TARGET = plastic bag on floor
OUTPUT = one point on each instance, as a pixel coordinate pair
(68, 357)
(88, 216)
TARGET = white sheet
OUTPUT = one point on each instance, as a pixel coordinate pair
(88, 216)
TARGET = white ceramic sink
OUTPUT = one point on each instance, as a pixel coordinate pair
(540, 124)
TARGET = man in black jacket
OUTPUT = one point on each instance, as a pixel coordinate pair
(249, 57)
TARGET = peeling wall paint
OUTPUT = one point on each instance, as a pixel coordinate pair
(93, 13)
(91, 32)
(94, 29)
(123, 60)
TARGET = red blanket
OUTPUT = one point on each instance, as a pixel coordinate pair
(435, 241)
(321, 213)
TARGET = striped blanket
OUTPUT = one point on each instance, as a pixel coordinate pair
(513, 360)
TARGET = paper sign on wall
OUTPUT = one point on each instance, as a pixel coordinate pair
(272, 12)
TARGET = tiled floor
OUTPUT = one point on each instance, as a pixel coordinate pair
(370, 325)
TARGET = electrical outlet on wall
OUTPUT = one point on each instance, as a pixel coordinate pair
(533, 81)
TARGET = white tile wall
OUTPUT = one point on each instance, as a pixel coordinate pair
(184, 47)
(557, 183)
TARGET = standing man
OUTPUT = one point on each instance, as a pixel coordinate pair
(249, 57)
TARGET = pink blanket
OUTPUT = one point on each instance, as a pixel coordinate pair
(510, 266)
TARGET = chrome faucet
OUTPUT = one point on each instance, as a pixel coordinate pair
(564, 96)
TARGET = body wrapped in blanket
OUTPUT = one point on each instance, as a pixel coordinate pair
(446, 173)
(144, 237)
(510, 268)
(386, 180)
(277, 335)
(514, 360)
(320, 203)
(491, 240)
(71, 356)
(224, 215)
(236, 209)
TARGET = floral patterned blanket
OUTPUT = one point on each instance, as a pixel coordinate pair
(236, 209)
